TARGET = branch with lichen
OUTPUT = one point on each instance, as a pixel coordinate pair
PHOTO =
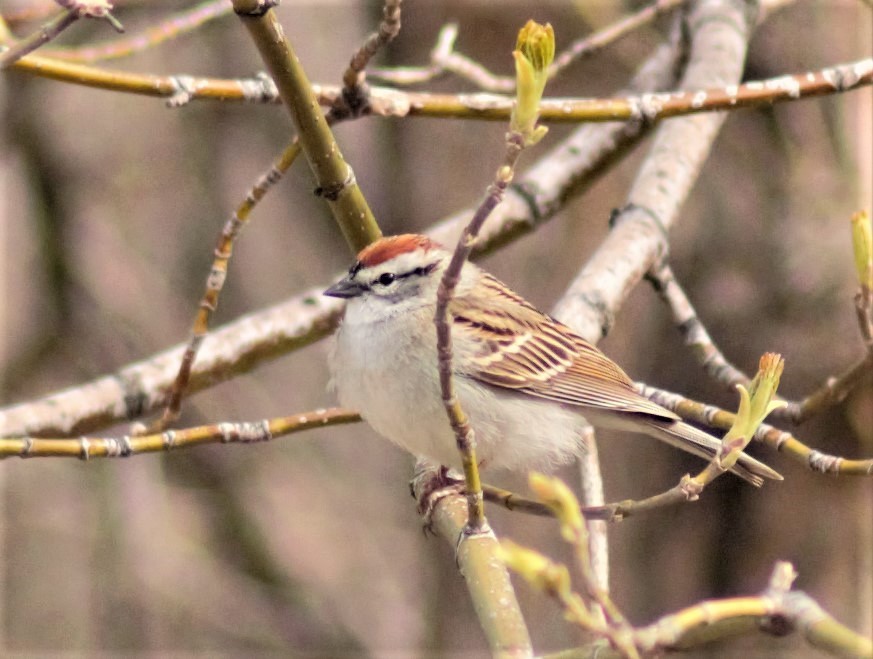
(85, 448)
(534, 51)
(773, 438)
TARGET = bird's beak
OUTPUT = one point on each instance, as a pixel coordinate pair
(345, 288)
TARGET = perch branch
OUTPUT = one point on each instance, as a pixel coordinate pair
(487, 580)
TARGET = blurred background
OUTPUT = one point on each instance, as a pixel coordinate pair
(110, 205)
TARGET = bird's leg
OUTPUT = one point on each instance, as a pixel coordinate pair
(435, 484)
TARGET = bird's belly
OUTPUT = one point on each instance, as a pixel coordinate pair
(400, 398)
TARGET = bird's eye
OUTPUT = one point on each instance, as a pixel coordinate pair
(386, 279)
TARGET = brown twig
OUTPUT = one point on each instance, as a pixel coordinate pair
(714, 363)
(355, 97)
(215, 283)
(218, 273)
(693, 331)
(451, 277)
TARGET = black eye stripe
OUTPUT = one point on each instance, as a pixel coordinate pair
(388, 278)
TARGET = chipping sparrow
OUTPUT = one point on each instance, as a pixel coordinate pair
(524, 379)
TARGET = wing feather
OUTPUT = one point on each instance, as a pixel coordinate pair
(537, 355)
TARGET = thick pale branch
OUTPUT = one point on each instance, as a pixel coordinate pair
(639, 236)
(487, 579)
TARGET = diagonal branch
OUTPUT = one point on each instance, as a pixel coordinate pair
(333, 175)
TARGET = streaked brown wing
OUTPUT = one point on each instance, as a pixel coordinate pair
(539, 356)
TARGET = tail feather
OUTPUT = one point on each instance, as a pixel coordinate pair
(690, 439)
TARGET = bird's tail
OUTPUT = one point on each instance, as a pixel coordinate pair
(690, 439)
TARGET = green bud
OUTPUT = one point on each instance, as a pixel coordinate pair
(534, 52)
(556, 495)
(539, 571)
(756, 403)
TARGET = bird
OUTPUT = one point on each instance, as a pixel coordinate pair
(528, 383)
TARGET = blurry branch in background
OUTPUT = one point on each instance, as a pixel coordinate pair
(85, 448)
(348, 105)
(716, 365)
(773, 438)
(445, 60)
(170, 28)
(75, 9)
(693, 331)
(777, 610)
(487, 580)
(533, 53)
(355, 97)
